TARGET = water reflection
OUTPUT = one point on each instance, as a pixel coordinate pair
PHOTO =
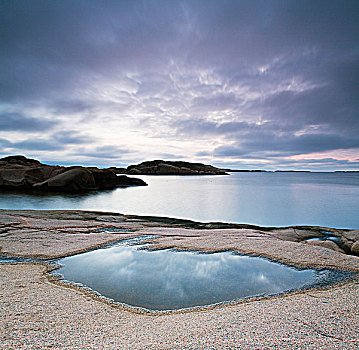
(170, 280)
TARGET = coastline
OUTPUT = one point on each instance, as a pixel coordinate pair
(37, 311)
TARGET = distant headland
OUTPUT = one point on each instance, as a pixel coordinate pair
(163, 167)
(21, 173)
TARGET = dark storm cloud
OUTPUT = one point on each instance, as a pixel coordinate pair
(328, 106)
(57, 45)
(13, 121)
(74, 37)
(265, 78)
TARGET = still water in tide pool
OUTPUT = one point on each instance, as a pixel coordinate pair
(264, 199)
(171, 280)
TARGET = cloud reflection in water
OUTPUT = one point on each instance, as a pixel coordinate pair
(168, 280)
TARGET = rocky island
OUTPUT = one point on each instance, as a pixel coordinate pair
(162, 167)
(21, 173)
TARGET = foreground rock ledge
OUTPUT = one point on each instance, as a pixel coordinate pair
(57, 233)
(37, 313)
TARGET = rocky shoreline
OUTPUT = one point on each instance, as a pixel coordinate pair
(25, 174)
(162, 167)
(58, 233)
(39, 312)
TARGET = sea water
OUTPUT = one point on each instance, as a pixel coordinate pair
(264, 199)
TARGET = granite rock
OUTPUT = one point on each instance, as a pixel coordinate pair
(21, 173)
(355, 248)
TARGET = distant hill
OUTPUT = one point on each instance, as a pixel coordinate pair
(163, 167)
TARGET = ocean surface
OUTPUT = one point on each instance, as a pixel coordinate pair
(264, 199)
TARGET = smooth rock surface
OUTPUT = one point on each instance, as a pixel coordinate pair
(327, 244)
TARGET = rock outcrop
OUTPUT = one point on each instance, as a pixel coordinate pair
(161, 167)
(118, 170)
(340, 240)
(21, 173)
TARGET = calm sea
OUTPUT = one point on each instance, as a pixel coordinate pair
(265, 199)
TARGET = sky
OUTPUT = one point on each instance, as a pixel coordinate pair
(237, 84)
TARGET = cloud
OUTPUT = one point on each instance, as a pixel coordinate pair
(55, 142)
(12, 121)
(36, 145)
(269, 145)
(215, 79)
(4, 142)
(103, 152)
(70, 106)
(202, 126)
(71, 137)
(203, 154)
(216, 102)
(323, 164)
(228, 151)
